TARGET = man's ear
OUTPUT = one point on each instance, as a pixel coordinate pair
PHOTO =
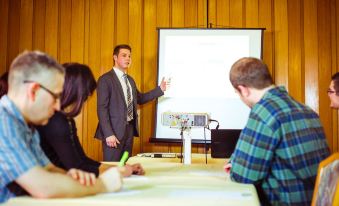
(243, 90)
(31, 91)
(115, 57)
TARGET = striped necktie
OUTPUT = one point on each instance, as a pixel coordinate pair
(129, 100)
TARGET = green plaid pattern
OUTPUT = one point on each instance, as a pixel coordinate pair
(280, 148)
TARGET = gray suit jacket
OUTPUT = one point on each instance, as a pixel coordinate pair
(111, 105)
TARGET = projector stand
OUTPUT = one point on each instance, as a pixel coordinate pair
(183, 141)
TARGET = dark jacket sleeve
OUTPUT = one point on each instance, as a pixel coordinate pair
(103, 105)
(148, 96)
(63, 149)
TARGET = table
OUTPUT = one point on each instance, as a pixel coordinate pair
(167, 182)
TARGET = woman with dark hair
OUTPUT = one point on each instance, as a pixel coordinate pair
(59, 138)
(3, 84)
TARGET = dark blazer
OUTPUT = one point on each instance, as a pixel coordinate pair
(61, 144)
(111, 105)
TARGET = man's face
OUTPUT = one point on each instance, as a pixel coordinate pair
(47, 100)
(123, 60)
(333, 95)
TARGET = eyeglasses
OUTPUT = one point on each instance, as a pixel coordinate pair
(55, 96)
(330, 91)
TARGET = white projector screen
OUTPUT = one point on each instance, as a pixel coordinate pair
(198, 62)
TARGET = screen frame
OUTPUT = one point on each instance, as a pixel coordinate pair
(154, 139)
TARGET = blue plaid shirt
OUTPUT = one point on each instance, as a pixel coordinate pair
(280, 148)
(19, 147)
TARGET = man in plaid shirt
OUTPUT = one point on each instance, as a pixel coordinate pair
(283, 142)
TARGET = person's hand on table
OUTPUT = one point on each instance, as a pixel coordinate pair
(128, 170)
(84, 178)
(138, 169)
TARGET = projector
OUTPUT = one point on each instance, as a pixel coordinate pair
(182, 119)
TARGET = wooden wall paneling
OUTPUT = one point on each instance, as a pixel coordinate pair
(94, 58)
(51, 28)
(325, 70)
(223, 13)
(191, 13)
(77, 35)
(266, 21)
(39, 13)
(13, 34)
(64, 31)
(135, 40)
(178, 13)
(77, 31)
(107, 36)
(202, 14)
(26, 25)
(96, 150)
(236, 13)
(122, 26)
(163, 13)
(295, 74)
(311, 54)
(281, 43)
(212, 14)
(252, 13)
(149, 51)
(4, 6)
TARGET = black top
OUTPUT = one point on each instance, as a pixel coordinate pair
(61, 144)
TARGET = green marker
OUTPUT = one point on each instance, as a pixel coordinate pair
(123, 159)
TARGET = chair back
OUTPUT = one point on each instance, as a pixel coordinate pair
(326, 191)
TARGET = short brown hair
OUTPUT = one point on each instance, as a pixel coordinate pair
(121, 46)
(250, 72)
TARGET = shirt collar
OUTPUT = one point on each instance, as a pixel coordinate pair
(118, 72)
(12, 109)
(275, 91)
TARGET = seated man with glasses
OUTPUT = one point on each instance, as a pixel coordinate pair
(35, 85)
(332, 91)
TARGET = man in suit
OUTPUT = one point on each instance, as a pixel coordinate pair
(118, 97)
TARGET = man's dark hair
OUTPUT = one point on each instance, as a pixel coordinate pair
(121, 46)
(79, 85)
(335, 79)
(250, 72)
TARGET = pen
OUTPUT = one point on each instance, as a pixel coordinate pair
(123, 159)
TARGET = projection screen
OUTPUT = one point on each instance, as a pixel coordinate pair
(198, 62)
